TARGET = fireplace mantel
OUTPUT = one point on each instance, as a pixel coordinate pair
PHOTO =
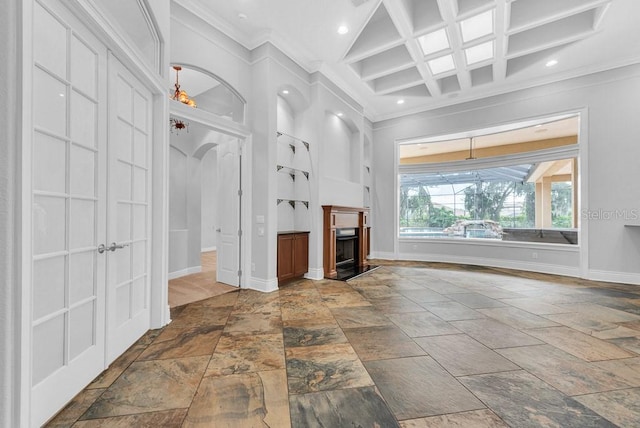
(338, 217)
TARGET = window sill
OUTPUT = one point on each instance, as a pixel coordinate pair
(493, 243)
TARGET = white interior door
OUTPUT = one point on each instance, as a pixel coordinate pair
(228, 264)
(128, 229)
(68, 206)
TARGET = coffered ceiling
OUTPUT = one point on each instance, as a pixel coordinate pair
(402, 56)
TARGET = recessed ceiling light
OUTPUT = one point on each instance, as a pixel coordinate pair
(242, 16)
(478, 53)
(434, 42)
(340, 114)
(61, 94)
(400, 102)
(551, 63)
(285, 92)
(343, 29)
(477, 26)
(442, 64)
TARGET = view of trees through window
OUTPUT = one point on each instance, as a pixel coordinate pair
(480, 204)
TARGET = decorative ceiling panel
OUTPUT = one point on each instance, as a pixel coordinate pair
(438, 48)
(385, 50)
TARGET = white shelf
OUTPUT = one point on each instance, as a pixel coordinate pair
(293, 172)
(293, 202)
(295, 139)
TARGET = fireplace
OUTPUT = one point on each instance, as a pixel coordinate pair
(346, 247)
(345, 242)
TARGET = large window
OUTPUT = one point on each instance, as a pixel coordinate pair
(529, 194)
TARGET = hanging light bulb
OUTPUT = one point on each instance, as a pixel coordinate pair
(180, 95)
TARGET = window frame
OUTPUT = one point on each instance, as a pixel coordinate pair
(556, 153)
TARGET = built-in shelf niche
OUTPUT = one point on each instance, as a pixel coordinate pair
(293, 190)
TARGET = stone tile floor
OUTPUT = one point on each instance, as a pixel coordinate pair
(409, 345)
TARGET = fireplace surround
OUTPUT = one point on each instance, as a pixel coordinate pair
(345, 241)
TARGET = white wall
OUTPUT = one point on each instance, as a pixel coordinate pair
(259, 76)
(341, 142)
(178, 221)
(336, 149)
(9, 278)
(195, 43)
(209, 168)
(609, 133)
(185, 218)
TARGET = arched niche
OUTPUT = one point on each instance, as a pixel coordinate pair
(210, 92)
(341, 148)
(294, 98)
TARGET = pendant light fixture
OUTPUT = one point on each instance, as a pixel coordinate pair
(178, 125)
(183, 97)
(180, 95)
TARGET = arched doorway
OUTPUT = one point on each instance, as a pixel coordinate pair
(205, 208)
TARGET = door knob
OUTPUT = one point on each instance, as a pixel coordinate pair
(218, 230)
(115, 246)
(102, 248)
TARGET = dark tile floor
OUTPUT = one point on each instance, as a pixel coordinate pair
(409, 345)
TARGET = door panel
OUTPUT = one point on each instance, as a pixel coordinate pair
(68, 274)
(128, 279)
(228, 239)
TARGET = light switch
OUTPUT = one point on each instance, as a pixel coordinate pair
(260, 231)
(260, 219)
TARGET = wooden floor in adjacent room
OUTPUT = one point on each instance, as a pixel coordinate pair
(198, 286)
(409, 345)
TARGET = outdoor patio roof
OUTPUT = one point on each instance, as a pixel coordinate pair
(518, 173)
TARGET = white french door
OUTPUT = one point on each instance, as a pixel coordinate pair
(90, 201)
(128, 231)
(68, 210)
(228, 212)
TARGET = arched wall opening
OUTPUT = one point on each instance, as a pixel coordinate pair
(208, 91)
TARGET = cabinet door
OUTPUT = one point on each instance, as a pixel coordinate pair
(285, 257)
(301, 254)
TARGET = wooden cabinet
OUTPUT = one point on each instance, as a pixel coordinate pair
(293, 255)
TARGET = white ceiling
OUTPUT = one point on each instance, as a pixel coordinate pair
(381, 61)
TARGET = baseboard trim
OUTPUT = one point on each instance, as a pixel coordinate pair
(382, 255)
(185, 272)
(168, 315)
(264, 285)
(497, 263)
(315, 274)
(617, 277)
(208, 249)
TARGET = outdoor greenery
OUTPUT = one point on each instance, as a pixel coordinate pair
(486, 201)
(561, 201)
